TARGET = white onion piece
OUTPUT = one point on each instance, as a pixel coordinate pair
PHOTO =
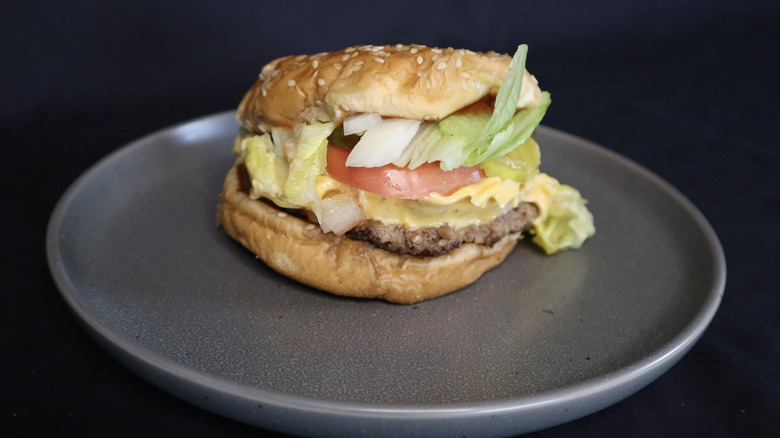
(383, 144)
(338, 214)
(357, 123)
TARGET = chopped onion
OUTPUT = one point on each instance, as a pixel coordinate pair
(338, 214)
(357, 123)
(383, 144)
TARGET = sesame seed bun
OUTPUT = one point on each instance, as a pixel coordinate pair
(412, 82)
(301, 250)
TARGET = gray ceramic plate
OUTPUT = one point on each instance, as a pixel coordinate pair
(536, 342)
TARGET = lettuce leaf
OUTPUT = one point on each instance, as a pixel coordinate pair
(507, 97)
(309, 161)
(520, 128)
(289, 184)
(568, 222)
(267, 170)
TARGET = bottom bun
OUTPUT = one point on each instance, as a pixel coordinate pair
(300, 249)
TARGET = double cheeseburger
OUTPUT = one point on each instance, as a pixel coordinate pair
(394, 172)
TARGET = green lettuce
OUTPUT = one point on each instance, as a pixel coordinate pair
(289, 184)
(521, 127)
(267, 170)
(507, 97)
(568, 222)
(471, 139)
(309, 161)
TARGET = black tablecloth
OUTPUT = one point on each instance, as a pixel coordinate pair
(687, 89)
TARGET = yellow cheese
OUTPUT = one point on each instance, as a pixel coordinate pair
(472, 204)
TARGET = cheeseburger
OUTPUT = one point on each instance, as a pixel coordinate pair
(394, 172)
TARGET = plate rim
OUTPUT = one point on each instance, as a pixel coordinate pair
(157, 367)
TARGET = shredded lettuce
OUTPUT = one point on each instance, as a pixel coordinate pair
(268, 170)
(309, 161)
(289, 184)
(567, 223)
(432, 144)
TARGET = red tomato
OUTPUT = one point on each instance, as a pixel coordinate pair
(396, 182)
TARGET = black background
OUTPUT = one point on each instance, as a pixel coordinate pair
(687, 89)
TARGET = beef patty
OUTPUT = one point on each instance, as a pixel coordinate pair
(437, 241)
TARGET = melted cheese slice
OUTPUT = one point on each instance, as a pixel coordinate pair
(472, 204)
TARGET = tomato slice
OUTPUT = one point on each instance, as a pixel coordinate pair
(397, 182)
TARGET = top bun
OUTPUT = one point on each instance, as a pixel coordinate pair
(413, 82)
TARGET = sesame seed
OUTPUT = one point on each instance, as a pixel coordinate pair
(419, 59)
(377, 48)
(413, 50)
(310, 227)
(291, 83)
(338, 66)
(458, 63)
(300, 57)
(280, 214)
(320, 82)
(399, 46)
(441, 66)
(436, 50)
(264, 92)
(359, 62)
(315, 64)
(349, 49)
(419, 73)
(433, 58)
(379, 60)
(355, 54)
(345, 57)
(356, 68)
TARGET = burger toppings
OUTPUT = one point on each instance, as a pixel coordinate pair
(361, 122)
(399, 182)
(420, 186)
(464, 138)
(383, 143)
